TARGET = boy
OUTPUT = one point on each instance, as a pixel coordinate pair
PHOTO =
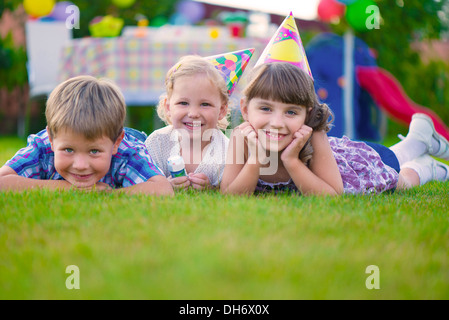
(85, 145)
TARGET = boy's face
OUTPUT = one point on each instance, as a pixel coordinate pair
(80, 161)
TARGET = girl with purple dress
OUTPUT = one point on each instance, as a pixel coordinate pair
(283, 145)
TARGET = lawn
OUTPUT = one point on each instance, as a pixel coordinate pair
(210, 246)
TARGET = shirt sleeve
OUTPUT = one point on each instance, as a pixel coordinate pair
(136, 165)
(29, 161)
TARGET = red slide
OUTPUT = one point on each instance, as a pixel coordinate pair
(388, 93)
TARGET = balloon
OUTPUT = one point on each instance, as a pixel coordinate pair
(59, 11)
(214, 33)
(178, 19)
(142, 23)
(38, 8)
(357, 16)
(330, 10)
(123, 3)
(158, 21)
(346, 2)
(193, 11)
(47, 18)
(107, 26)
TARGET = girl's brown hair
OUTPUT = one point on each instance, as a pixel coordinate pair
(286, 83)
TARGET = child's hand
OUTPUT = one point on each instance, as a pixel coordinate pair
(179, 182)
(250, 135)
(300, 138)
(101, 186)
(254, 145)
(199, 181)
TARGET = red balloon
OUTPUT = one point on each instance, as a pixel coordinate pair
(329, 10)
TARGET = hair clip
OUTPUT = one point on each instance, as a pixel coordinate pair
(177, 66)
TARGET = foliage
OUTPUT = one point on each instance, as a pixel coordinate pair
(9, 4)
(402, 23)
(91, 9)
(13, 59)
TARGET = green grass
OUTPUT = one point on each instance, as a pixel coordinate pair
(210, 246)
(9, 146)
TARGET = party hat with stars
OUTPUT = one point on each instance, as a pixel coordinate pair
(232, 65)
(286, 46)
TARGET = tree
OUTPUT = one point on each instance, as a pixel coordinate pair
(150, 9)
(404, 22)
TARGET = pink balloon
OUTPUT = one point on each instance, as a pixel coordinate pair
(329, 10)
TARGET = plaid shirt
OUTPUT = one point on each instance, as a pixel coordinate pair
(129, 166)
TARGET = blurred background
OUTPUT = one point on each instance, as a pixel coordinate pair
(134, 42)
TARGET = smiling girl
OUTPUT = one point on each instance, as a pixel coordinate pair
(283, 145)
(194, 108)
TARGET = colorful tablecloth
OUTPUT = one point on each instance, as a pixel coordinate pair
(139, 65)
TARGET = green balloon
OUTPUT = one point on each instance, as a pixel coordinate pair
(123, 3)
(357, 14)
(158, 21)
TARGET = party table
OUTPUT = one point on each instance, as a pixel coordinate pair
(139, 65)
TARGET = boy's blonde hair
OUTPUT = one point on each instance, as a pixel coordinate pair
(86, 105)
(188, 66)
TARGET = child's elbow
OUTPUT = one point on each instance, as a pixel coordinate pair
(235, 191)
(336, 191)
(339, 189)
(226, 189)
(157, 185)
(161, 186)
(6, 171)
(223, 188)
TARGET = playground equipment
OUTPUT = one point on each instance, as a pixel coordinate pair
(372, 88)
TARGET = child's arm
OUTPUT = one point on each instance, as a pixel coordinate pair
(323, 177)
(156, 185)
(10, 180)
(241, 173)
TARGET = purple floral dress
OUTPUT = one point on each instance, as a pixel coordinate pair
(361, 169)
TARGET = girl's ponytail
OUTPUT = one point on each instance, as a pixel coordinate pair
(319, 119)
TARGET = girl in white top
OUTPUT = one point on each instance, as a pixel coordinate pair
(195, 109)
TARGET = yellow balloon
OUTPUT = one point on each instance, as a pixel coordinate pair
(142, 23)
(38, 8)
